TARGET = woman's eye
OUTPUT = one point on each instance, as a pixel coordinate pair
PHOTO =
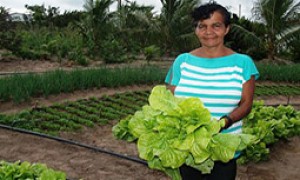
(217, 25)
(201, 27)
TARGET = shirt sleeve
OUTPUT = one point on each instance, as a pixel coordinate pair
(250, 69)
(168, 78)
(174, 73)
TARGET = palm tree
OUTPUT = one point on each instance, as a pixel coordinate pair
(281, 24)
(176, 26)
(246, 36)
(134, 24)
(96, 25)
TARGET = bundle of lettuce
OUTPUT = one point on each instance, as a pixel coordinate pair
(173, 131)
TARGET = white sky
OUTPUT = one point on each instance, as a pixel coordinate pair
(69, 5)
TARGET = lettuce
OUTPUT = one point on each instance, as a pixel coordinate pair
(28, 171)
(172, 131)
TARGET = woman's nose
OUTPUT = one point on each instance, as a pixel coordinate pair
(209, 30)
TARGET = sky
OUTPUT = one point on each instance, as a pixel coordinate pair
(245, 6)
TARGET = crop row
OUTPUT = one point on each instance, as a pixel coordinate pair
(277, 90)
(19, 88)
(22, 87)
(73, 115)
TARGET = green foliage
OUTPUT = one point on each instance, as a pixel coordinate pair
(294, 45)
(38, 13)
(172, 131)
(269, 125)
(151, 52)
(25, 170)
(176, 30)
(246, 37)
(281, 24)
(21, 88)
(8, 38)
(135, 27)
(72, 116)
(96, 26)
(269, 90)
(42, 44)
(113, 51)
(279, 73)
(78, 57)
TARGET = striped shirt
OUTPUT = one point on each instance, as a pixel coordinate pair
(218, 82)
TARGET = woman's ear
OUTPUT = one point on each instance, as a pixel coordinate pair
(227, 29)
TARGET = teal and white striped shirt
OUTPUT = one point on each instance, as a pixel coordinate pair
(217, 82)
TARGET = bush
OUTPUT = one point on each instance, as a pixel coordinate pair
(112, 51)
(151, 52)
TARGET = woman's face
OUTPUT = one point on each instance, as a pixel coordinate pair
(211, 31)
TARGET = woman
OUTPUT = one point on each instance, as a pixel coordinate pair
(223, 79)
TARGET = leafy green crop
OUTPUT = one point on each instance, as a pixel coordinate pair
(269, 125)
(25, 170)
(173, 131)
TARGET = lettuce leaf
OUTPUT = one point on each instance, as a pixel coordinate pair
(172, 131)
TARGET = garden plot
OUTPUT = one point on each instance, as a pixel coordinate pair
(83, 163)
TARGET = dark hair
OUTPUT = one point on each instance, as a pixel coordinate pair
(205, 11)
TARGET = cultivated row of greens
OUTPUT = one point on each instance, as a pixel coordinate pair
(73, 115)
(269, 124)
(19, 88)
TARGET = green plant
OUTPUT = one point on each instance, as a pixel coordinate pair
(113, 51)
(21, 88)
(151, 52)
(166, 131)
(25, 170)
(78, 57)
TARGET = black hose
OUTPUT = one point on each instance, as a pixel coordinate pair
(122, 156)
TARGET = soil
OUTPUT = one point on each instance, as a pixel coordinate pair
(83, 163)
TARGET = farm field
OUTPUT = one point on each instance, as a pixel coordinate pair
(83, 163)
(80, 162)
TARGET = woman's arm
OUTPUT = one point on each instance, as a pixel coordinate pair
(246, 102)
(171, 88)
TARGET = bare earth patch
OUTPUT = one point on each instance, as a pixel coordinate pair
(79, 162)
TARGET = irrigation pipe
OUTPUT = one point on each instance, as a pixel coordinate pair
(122, 156)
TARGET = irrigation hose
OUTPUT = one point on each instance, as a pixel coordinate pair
(122, 156)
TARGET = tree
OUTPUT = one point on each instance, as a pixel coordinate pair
(4, 16)
(43, 16)
(176, 27)
(281, 24)
(96, 26)
(134, 25)
(52, 12)
(8, 38)
(247, 37)
(38, 13)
